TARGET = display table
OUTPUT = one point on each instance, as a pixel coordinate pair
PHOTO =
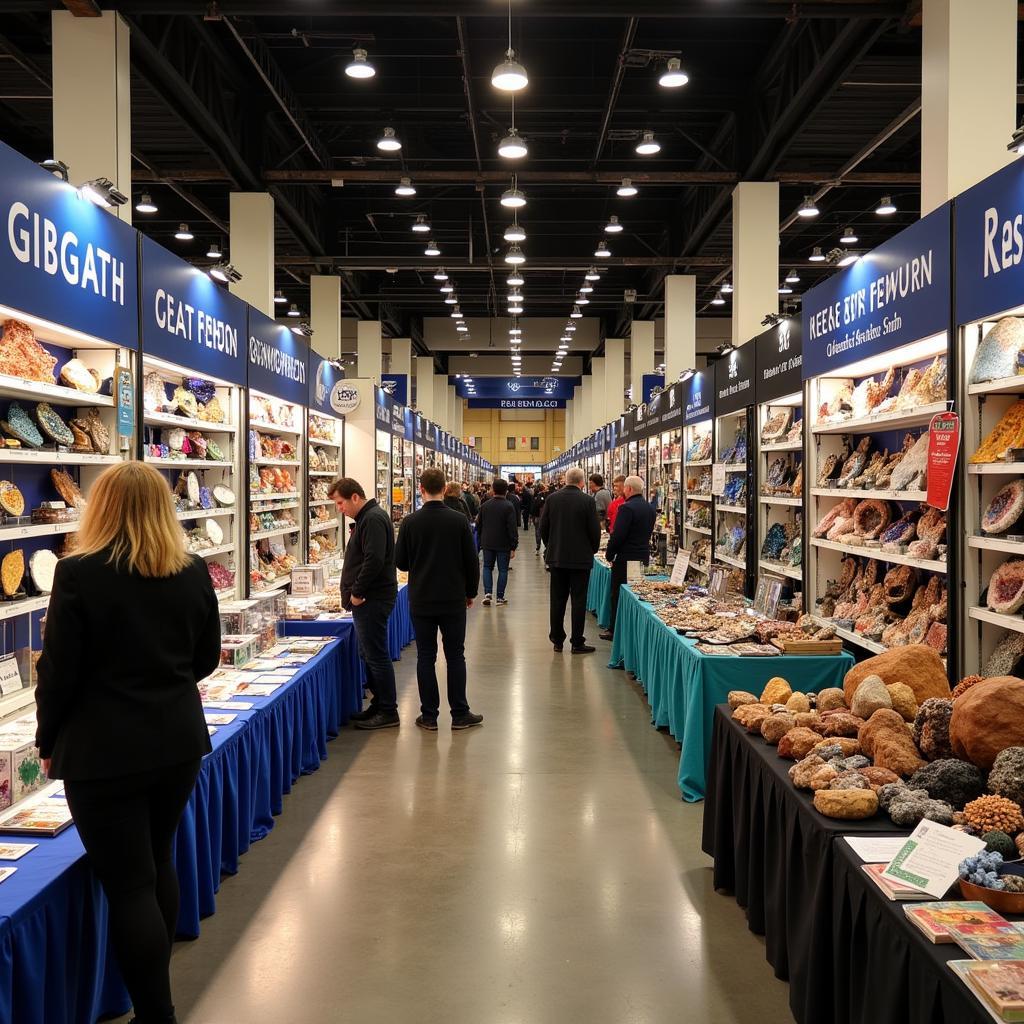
(599, 592)
(774, 851)
(55, 965)
(683, 686)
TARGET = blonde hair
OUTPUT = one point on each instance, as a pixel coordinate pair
(131, 515)
(453, 490)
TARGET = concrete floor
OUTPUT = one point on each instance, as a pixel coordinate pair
(538, 870)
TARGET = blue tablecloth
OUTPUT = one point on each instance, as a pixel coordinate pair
(683, 686)
(599, 592)
(55, 964)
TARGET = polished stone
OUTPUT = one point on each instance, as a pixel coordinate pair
(538, 869)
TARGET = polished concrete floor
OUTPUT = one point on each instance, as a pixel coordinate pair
(538, 870)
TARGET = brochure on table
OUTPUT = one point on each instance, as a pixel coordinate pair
(698, 398)
(735, 537)
(778, 394)
(876, 345)
(325, 460)
(278, 368)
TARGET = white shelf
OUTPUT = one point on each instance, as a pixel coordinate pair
(698, 497)
(1003, 386)
(37, 530)
(996, 543)
(223, 549)
(277, 532)
(785, 446)
(931, 565)
(738, 510)
(272, 496)
(12, 609)
(783, 570)
(321, 501)
(54, 458)
(189, 463)
(882, 421)
(274, 428)
(276, 584)
(697, 529)
(275, 462)
(168, 419)
(1014, 622)
(317, 443)
(315, 527)
(779, 499)
(730, 560)
(853, 492)
(996, 469)
(57, 394)
(735, 467)
(699, 462)
(329, 472)
(205, 513)
(855, 638)
(227, 594)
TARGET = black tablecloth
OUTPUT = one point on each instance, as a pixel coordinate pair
(885, 971)
(774, 851)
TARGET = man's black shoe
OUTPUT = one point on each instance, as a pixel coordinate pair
(558, 647)
(379, 720)
(430, 724)
(584, 649)
(607, 635)
(467, 721)
(360, 716)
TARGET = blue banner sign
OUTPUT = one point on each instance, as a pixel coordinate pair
(699, 396)
(521, 388)
(516, 403)
(734, 379)
(397, 386)
(278, 359)
(397, 419)
(382, 410)
(190, 321)
(779, 359)
(896, 294)
(650, 382)
(64, 259)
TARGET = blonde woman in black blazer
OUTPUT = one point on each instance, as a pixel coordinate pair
(132, 625)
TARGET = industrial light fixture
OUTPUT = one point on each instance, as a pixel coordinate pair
(213, 252)
(225, 272)
(515, 332)
(421, 224)
(885, 207)
(593, 274)
(726, 288)
(626, 189)
(359, 66)
(447, 288)
(456, 313)
(513, 198)
(56, 167)
(585, 288)
(461, 328)
(293, 310)
(513, 297)
(145, 204)
(510, 75)
(513, 146)
(515, 233)
(576, 313)
(808, 208)
(405, 187)
(784, 289)
(613, 227)
(566, 338)
(848, 237)
(685, 375)
(183, 234)
(648, 144)
(515, 279)
(303, 328)
(792, 277)
(817, 256)
(772, 320)
(279, 299)
(673, 76)
(602, 251)
(516, 309)
(440, 274)
(582, 300)
(848, 258)
(571, 327)
(432, 249)
(1015, 145)
(725, 348)
(388, 142)
(450, 299)
(515, 256)
(103, 192)
(718, 300)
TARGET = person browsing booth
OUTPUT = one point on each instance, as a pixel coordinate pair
(630, 541)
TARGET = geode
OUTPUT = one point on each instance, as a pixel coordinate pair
(1005, 508)
(998, 351)
(931, 728)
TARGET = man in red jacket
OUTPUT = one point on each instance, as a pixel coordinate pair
(617, 501)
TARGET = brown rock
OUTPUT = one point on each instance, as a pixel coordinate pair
(776, 691)
(987, 719)
(869, 697)
(903, 700)
(750, 716)
(802, 772)
(810, 720)
(917, 665)
(831, 699)
(823, 777)
(878, 777)
(798, 743)
(843, 724)
(886, 739)
(737, 698)
(775, 727)
(848, 745)
(848, 804)
(798, 704)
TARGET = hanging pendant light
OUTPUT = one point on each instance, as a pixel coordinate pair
(626, 189)
(585, 288)
(513, 146)
(808, 208)
(515, 256)
(146, 204)
(576, 313)
(515, 280)
(848, 237)
(421, 225)
(388, 142)
(516, 309)
(440, 274)
(359, 66)
(513, 198)
(602, 251)
(792, 277)
(673, 76)
(593, 274)
(726, 288)
(817, 256)
(184, 234)
(718, 300)
(405, 187)
(886, 207)
(279, 299)
(515, 233)
(784, 289)
(648, 144)
(510, 75)
(613, 227)
(582, 300)
(432, 249)
(451, 299)
(447, 288)
(293, 310)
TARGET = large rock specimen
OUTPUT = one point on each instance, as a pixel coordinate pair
(776, 691)
(831, 699)
(798, 743)
(849, 804)
(916, 665)
(870, 696)
(987, 719)
(931, 728)
(886, 739)
(903, 700)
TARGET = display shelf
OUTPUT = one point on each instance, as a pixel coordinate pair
(735, 467)
(321, 501)
(55, 394)
(860, 641)
(779, 499)
(18, 701)
(700, 462)
(53, 458)
(930, 565)
(1012, 622)
(323, 472)
(189, 463)
(784, 570)
(278, 583)
(163, 419)
(882, 421)
(737, 510)
(995, 469)
(205, 513)
(279, 531)
(12, 609)
(1003, 386)
(275, 462)
(317, 443)
(697, 529)
(986, 543)
(315, 527)
(227, 594)
(275, 428)
(10, 533)
(223, 549)
(698, 497)
(276, 508)
(281, 496)
(789, 446)
(730, 560)
(852, 492)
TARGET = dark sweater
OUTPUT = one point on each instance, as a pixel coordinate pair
(497, 526)
(570, 529)
(457, 505)
(435, 546)
(369, 567)
(631, 535)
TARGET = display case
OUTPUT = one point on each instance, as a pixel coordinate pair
(383, 450)
(698, 398)
(402, 484)
(875, 357)
(780, 453)
(326, 456)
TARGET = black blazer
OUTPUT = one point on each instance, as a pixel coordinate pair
(435, 546)
(631, 536)
(497, 527)
(122, 653)
(369, 567)
(456, 505)
(570, 529)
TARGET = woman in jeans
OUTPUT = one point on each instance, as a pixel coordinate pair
(133, 624)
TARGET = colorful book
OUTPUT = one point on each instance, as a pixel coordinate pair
(15, 851)
(892, 890)
(998, 984)
(935, 919)
(990, 941)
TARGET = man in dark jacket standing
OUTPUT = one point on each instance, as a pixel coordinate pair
(369, 587)
(497, 529)
(527, 500)
(571, 533)
(515, 501)
(435, 545)
(602, 498)
(630, 540)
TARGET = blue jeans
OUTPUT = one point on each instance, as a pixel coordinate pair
(502, 558)
(453, 636)
(371, 622)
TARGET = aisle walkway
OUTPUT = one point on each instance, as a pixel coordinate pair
(538, 870)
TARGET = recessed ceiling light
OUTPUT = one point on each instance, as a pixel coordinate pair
(388, 142)
(808, 208)
(613, 227)
(848, 237)
(510, 75)
(421, 224)
(602, 251)
(792, 277)
(513, 146)
(145, 204)
(648, 144)
(279, 299)
(515, 233)
(885, 207)
(626, 189)
(513, 198)
(817, 256)
(405, 188)
(440, 274)
(515, 256)
(673, 76)
(183, 234)
(431, 249)
(359, 66)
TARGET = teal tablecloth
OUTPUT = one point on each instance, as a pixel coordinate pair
(599, 592)
(683, 686)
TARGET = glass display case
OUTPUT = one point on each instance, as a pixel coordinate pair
(326, 443)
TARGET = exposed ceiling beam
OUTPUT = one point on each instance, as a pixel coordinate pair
(83, 8)
(616, 88)
(540, 264)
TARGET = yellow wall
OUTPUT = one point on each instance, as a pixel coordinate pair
(492, 426)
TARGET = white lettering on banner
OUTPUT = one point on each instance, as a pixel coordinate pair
(273, 359)
(527, 403)
(35, 241)
(1011, 247)
(185, 321)
(793, 363)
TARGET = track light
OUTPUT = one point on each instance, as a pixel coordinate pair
(626, 189)
(685, 375)
(885, 207)
(304, 328)
(613, 227)
(772, 320)
(602, 251)
(515, 233)
(792, 277)
(510, 75)
(145, 204)
(808, 208)
(388, 142)
(847, 259)
(718, 300)
(576, 313)
(213, 252)
(726, 288)
(103, 192)
(515, 256)
(848, 237)
(817, 256)
(515, 280)
(513, 198)
(293, 310)
(421, 224)
(432, 249)
(648, 144)
(359, 66)
(673, 76)
(405, 187)
(57, 168)
(279, 299)
(440, 275)
(183, 234)
(513, 146)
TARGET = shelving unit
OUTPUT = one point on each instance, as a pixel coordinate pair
(731, 518)
(697, 397)
(326, 447)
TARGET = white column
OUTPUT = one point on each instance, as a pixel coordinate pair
(441, 401)
(401, 357)
(641, 355)
(755, 257)
(369, 359)
(680, 327)
(577, 415)
(568, 422)
(425, 386)
(453, 416)
(588, 407)
(460, 410)
(92, 100)
(325, 313)
(614, 378)
(968, 94)
(597, 394)
(251, 248)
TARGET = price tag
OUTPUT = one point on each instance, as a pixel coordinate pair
(718, 479)
(682, 563)
(717, 582)
(125, 390)
(302, 582)
(760, 595)
(10, 676)
(943, 447)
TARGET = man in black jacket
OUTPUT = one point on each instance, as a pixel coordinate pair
(630, 540)
(571, 533)
(527, 500)
(497, 530)
(369, 587)
(515, 501)
(435, 545)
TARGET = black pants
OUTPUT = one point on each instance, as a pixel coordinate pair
(619, 570)
(566, 584)
(453, 637)
(526, 519)
(127, 826)
(371, 623)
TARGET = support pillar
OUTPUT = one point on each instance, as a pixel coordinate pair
(755, 258)
(453, 400)
(614, 378)
(369, 359)
(597, 394)
(325, 314)
(577, 416)
(441, 401)
(568, 422)
(425, 387)
(968, 94)
(680, 327)
(588, 407)
(251, 248)
(641, 354)
(400, 366)
(92, 114)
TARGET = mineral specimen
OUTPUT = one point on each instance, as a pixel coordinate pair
(1007, 775)
(912, 472)
(775, 727)
(837, 746)
(1005, 659)
(840, 723)
(737, 698)
(802, 772)
(798, 704)
(1006, 587)
(878, 777)
(907, 806)
(810, 720)
(750, 716)
(903, 700)
(887, 741)
(848, 804)
(869, 696)
(850, 780)
(917, 665)
(987, 719)
(824, 777)
(996, 356)
(776, 691)
(1005, 508)
(798, 743)
(931, 728)
(955, 782)
(989, 813)
(831, 698)
(22, 356)
(1008, 433)
(1001, 843)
